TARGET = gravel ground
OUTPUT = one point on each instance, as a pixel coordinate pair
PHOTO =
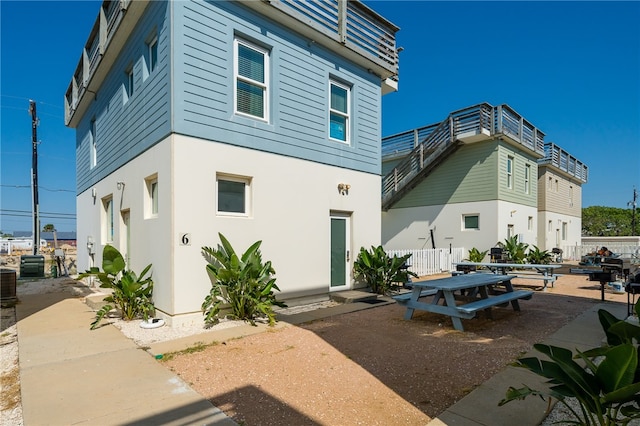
(346, 369)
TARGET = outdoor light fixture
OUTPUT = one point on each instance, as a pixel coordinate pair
(343, 188)
(120, 185)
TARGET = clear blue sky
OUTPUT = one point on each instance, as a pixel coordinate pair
(570, 68)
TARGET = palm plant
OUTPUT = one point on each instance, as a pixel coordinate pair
(515, 249)
(539, 257)
(476, 255)
(380, 271)
(606, 386)
(245, 284)
(131, 293)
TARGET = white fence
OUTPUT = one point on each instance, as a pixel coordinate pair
(576, 252)
(18, 244)
(431, 261)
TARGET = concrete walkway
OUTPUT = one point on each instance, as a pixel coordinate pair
(71, 375)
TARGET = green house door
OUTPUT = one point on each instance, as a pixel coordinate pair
(340, 253)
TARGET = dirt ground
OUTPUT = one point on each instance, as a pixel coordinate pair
(372, 367)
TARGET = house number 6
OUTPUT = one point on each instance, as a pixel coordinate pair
(185, 239)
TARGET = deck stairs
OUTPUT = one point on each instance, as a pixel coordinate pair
(423, 150)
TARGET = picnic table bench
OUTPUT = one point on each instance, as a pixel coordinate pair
(540, 271)
(473, 285)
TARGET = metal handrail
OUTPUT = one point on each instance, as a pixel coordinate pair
(496, 120)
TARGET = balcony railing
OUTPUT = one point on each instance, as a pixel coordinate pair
(423, 147)
(562, 160)
(346, 26)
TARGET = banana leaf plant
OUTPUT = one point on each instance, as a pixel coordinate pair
(131, 293)
(606, 384)
(245, 284)
(381, 271)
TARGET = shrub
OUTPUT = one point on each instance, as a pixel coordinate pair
(245, 284)
(380, 271)
(538, 257)
(476, 255)
(132, 294)
(607, 386)
(515, 249)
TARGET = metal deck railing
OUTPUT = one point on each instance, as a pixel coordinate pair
(425, 147)
(561, 159)
(348, 26)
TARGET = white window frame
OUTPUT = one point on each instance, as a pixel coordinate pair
(152, 46)
(247, 194)
(263, 85)
(129, 86)
(93, 145)
(464, 222)
(527, 178)
(152, 205)
(510, 164)
(108, 228)
(550, 226)
(511, 230)
(565, 230)
(530, 223)
(347, 115)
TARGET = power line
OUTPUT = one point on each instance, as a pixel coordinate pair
(11, 211)
(41, 187)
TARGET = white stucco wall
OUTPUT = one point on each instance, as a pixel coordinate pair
(549, 239)
(409, 228)
(291, 203)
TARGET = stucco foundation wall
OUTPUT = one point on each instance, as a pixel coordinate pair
(149, 240)
(291, 203)
(410, 228)
(550, 238)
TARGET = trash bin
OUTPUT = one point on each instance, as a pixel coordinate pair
(8, 287)
(32, 266)
(54, 271)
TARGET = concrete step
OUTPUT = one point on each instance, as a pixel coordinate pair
(353, 296)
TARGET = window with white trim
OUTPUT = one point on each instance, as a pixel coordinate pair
(565, 230)
(107, 219)
(550, 226)
(152, 52)
(93, 147)
(151, 208)
(233, 195)
(339, 111)
(129, 84)
(530, 223)
(510, 172)
(527, 177)
(251, 69)
(470, 221)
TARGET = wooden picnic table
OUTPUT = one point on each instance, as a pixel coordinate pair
(546, 271)
(478, 295)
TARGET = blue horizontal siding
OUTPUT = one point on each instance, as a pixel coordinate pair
(299, 89)
(126, 129)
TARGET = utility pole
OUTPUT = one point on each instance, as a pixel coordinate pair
(34, 176)
(633, 211)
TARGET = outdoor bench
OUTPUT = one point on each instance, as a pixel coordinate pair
(496, 300)
(404, 298)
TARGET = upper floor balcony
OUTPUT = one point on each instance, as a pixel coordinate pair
(346, 27)
(565, 162)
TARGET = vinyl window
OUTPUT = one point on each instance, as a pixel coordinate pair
(510, 172)
(471, 221)
(93, 146)
(252, 78)
(339, 111)
(153, 54)
(527, 178)
(233, 195)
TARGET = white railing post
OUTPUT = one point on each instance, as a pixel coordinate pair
(342, 21)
